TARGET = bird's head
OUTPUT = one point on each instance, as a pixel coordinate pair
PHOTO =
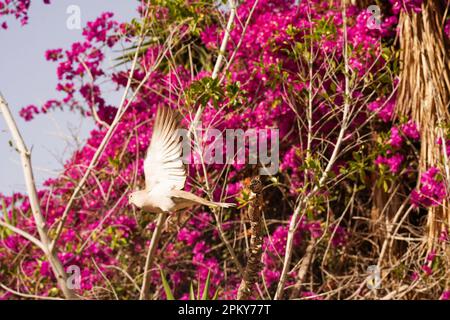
(137, 198)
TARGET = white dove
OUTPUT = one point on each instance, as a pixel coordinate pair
(165, 175)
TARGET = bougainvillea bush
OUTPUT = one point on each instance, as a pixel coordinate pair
(319, 72)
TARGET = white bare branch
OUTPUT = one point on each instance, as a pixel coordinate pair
(39, 220)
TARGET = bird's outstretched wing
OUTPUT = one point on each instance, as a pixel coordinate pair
(163, 167)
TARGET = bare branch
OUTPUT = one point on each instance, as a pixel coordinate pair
(39, 220)
(23, 233)
(151, 254)
(254, 260)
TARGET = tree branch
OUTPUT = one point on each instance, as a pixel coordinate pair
(254, 260)
(151, 254)
(39, 220)
(225, 39)
(23, 233)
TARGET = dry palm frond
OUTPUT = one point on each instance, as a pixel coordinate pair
(424, 90)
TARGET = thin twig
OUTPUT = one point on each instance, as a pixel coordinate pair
(23, 233)
(324, 176)
(26, 295)
(151, 255)
(306, 261)
(225, 39)
(220, 57)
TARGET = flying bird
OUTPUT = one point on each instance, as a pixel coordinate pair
(164, 171)
(165, 178)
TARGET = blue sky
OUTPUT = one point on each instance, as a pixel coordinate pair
(27, 78)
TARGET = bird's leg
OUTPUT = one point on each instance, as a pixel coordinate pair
(151, 254)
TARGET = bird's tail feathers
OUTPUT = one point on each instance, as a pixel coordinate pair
(194, 198)
(222, 204)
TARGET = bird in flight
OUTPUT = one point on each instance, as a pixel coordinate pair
(165, 174)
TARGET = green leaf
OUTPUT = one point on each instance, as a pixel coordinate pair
(205, 295)
(216, 295)
(5, 212)
(166, 286)
(6, 231)
(198, 289)
(385, 186)
(114, 162)
(191, 292)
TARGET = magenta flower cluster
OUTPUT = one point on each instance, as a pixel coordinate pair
(432, 190)
(16, 8)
